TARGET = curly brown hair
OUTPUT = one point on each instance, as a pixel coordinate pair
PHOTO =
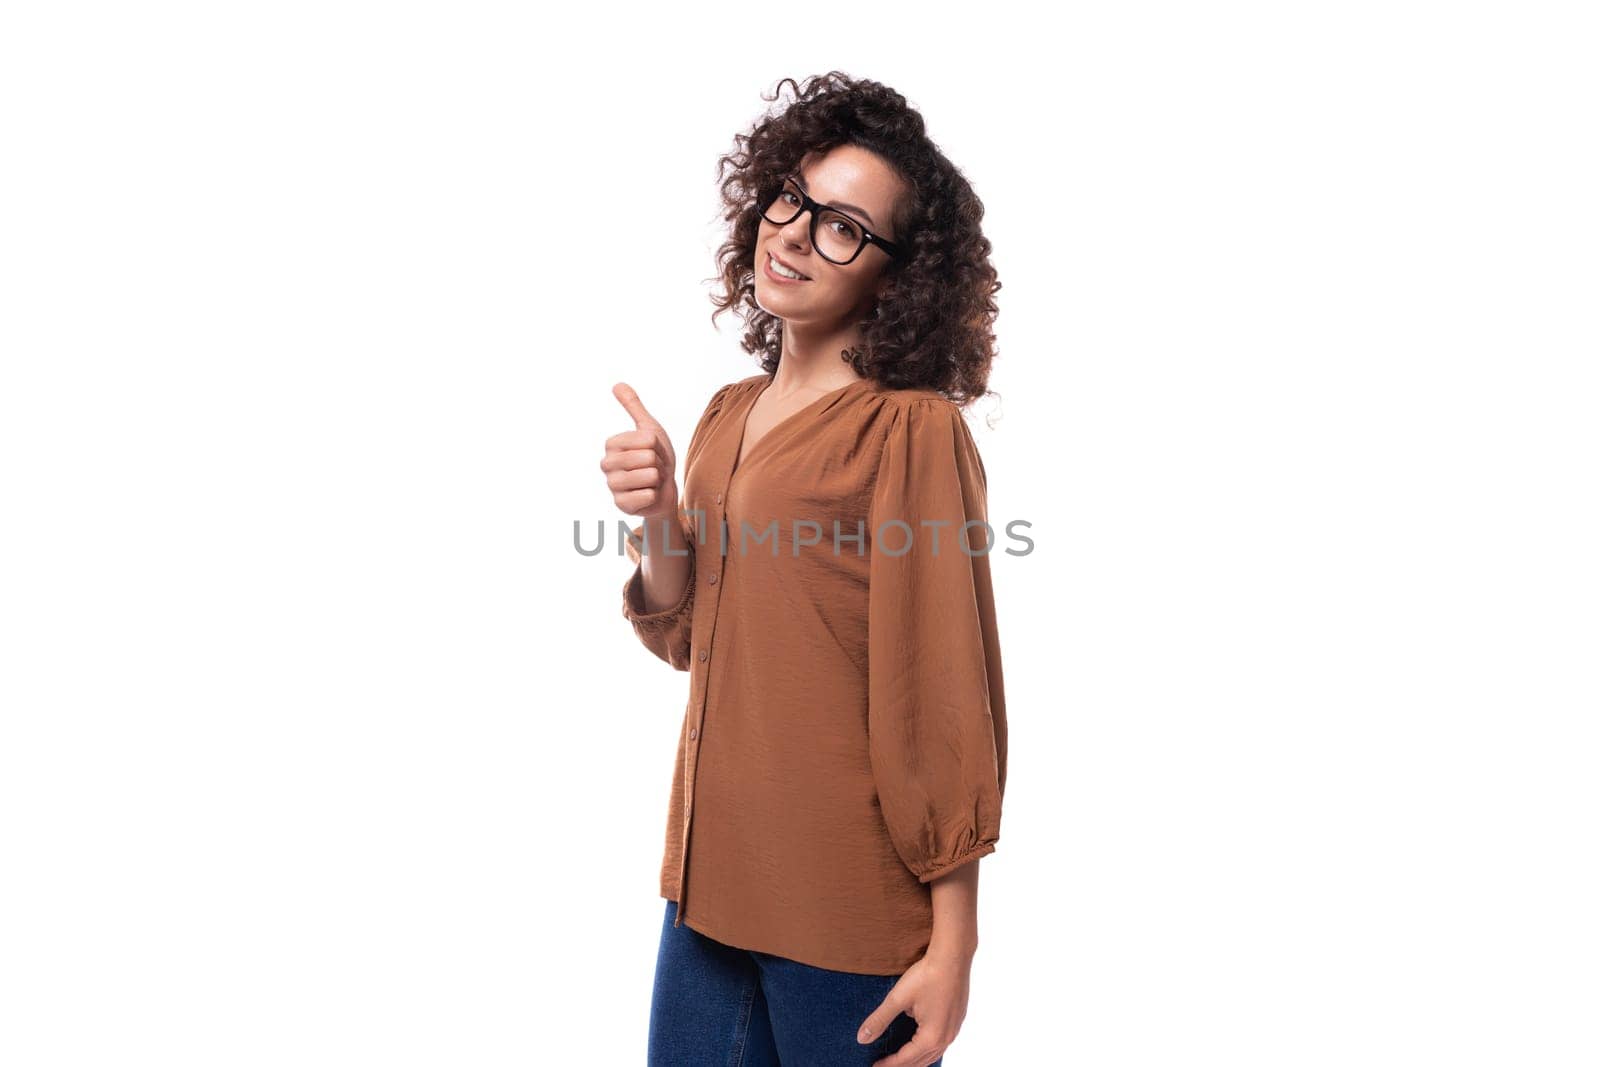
(934, 325)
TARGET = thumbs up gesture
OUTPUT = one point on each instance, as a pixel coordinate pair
(640, 466)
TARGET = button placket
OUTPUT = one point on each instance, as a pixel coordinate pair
(713, 517)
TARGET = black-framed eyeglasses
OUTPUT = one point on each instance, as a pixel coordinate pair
(836, 236)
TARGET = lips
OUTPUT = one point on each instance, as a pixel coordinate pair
(790, 266)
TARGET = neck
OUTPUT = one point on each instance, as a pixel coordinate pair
(812, 360)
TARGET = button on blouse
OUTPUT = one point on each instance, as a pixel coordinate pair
(844, 740)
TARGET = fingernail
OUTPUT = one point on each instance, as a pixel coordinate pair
(866, 1035)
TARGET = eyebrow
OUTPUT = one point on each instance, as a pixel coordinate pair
(835, 203)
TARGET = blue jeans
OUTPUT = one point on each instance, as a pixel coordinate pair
(719, 1006)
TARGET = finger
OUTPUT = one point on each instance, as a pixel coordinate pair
(624, 481)
(918, 1052)
(632, 439)
(630, 459)
(634, 406)
(638, 501)
(651, 442)
(875, 1024)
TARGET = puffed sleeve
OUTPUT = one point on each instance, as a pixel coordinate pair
(666, 633)
(935, 702)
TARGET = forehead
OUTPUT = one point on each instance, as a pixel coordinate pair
(852, 175)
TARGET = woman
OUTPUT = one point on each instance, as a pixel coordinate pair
(825, 583)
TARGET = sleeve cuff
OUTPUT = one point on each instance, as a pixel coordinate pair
(982, 848)
(633, 601)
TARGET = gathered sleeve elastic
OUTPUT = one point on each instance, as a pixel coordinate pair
(667, 633)
(935, 702)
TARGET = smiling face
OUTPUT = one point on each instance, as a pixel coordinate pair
(859, 184)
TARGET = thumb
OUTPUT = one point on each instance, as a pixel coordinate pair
(879, 1020)
(631, 403)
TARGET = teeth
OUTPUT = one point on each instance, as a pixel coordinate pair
(781, 269)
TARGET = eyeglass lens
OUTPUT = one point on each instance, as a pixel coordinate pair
(838, 237)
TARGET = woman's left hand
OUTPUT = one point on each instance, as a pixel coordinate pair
(933, 991)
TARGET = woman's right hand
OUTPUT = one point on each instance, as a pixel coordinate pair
(640, 466)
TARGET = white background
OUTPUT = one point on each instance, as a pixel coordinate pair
(322, 745)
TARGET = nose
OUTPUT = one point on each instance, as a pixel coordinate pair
(797, 231)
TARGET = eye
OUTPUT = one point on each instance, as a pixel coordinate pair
(843, 228)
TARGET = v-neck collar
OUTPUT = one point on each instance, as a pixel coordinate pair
(782, 424)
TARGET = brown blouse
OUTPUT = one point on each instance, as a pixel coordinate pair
(844, 742)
